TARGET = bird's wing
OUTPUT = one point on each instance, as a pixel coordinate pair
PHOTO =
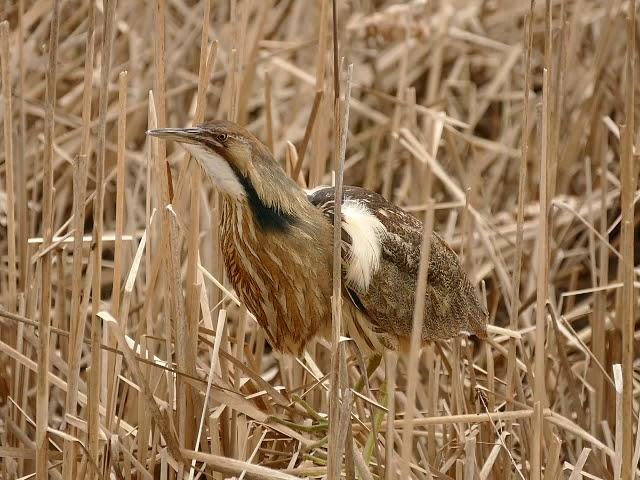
(381, 257)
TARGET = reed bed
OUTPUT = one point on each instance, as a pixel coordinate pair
(510, 127)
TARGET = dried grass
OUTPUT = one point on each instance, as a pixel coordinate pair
(122, 352)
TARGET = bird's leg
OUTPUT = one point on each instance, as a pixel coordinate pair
(378, 417)
(321, 421)
(318, 444)
(297, 427)
(309, 409)
(387, 400)
(372, 365)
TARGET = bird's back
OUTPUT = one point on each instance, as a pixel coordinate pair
(387, 299)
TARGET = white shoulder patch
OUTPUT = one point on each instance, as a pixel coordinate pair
(366, 233)
(217, 169)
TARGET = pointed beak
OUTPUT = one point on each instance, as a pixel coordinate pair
(192, 135)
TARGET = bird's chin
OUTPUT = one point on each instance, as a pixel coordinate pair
(217, 169)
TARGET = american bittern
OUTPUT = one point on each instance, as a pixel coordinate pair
(277, 244)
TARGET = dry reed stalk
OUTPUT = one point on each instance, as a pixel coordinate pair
(42, 394)
(628, 184)
(183, 334)
(160, 417)
(317, 100)
(461, 62)
(250, 61)
(22, 167)
(9, 166)
(341, 119)
(10, 190)
(151, 268)
(114, 363)
(207, 61)
(390, 363)
(418, 313)
(215, 360)
(515, 302)
(598, 327)
(236, 79)
(391, 160)
(619, 439)
(268, 101)
(542, 285)
(76, 323)
(95, 381)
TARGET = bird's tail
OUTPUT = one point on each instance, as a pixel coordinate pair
(478, 317)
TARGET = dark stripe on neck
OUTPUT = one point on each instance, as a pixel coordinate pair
(268, 218)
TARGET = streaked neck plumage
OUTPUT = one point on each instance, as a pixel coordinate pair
(270, 235)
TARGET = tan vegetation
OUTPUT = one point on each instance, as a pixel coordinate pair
(512, 126)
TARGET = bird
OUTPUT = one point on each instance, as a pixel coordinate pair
(277, 246)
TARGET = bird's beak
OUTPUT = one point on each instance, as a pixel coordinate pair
(192, 135)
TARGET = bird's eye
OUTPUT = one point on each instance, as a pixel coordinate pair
(222, 137)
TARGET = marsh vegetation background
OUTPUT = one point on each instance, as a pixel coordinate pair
(124, 355)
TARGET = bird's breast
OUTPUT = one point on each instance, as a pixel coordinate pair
(282, 277)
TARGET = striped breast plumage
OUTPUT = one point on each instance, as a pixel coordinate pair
(270, 272)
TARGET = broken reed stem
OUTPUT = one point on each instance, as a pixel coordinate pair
(341, 131)
(42, 391)
(418, 321)
(9, 162)
(95, 379)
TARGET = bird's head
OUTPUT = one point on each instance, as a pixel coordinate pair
(239, 165)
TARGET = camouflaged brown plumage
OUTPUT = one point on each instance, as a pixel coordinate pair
(277, 246)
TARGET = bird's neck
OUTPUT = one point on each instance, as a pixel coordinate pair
(272, 198)
(269, 248)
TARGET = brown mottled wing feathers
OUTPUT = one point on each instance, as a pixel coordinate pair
(452, 305)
